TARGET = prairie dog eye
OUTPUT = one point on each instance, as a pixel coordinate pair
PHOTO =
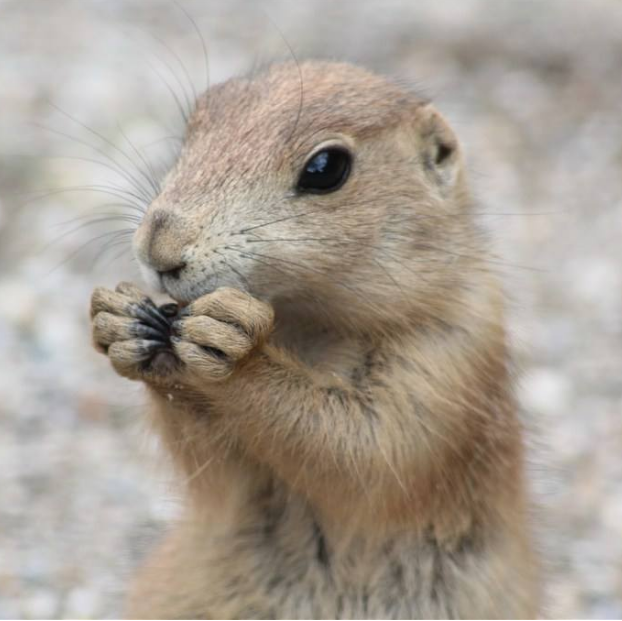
(325, 172)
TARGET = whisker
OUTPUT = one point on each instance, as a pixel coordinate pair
(78, 228)
(234, 270)
(105, 165)
(338, 240)
(259, 226)
(364, 300)
(422, 259)
(182, 111)
(298, 68)
(163, 139)
(104, 214)
(306, 268)
(117, 256)
(176, 56)
(291, 217)
(85, 245)
(290, 239)
(152, 175)
(98, 189)
(201, 39)
(187, 100)
(103, 138)
(388, 274)
(133, 181)
(111, 243)
(478, 258)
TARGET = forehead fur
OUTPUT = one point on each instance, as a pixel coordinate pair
(289, 103)
(251, 128)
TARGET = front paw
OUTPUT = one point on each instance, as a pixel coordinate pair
(134, 333)
(219, 330)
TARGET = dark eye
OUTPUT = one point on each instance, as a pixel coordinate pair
(325, 172)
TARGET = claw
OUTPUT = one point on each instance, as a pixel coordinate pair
(212, 351)
(169, 310)
(151, 316)
(142, 330)
(184, 312)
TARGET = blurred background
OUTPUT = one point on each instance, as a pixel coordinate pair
(534, 90)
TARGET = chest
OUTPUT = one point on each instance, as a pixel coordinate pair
(308, 572)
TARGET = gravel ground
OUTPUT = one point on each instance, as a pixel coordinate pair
(534, 91)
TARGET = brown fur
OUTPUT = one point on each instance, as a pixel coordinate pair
(356, 453)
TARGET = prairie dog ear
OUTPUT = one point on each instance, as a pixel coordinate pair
(438, 147)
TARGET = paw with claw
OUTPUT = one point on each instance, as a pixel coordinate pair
(161, 344)
(215, 333)
(133, 332)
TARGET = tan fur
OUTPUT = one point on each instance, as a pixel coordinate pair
(357, 452)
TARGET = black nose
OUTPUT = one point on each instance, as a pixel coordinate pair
(173, 272)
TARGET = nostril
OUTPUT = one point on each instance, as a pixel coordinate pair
(173, 273)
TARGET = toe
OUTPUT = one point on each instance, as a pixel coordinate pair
(202, 362)
(208, 332)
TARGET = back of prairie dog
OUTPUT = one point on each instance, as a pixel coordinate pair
(335, 390)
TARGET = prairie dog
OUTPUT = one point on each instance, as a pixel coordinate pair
(335, 386)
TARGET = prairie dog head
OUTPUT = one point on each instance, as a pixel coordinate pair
(321, 185)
